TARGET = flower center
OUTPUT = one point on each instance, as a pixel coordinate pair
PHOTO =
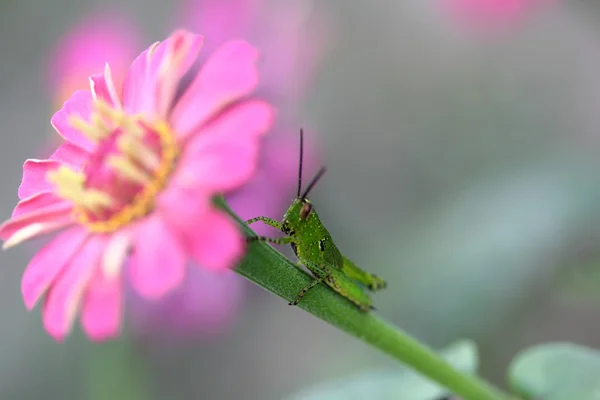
(130, 165)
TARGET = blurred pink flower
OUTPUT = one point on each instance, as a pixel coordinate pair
(291, 38)
(137, 175)
(84, 50)
(491, 15)
(210, 297)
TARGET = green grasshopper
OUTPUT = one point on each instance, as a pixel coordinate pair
(315, 249)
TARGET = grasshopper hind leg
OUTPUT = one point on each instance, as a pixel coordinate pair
(349, 289)
(371, 281)
(343, 286)
(305, 290)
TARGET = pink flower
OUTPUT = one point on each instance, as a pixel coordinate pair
(491, 15)
(292, 40)
(134, 182)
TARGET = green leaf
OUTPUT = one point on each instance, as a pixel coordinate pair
(394, 384)
(581, 282)
(556, 371)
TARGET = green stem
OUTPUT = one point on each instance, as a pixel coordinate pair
(269, 269)
(117, 371)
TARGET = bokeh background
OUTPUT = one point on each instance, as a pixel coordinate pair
(463, 143)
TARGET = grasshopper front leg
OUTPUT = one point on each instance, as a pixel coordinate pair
(280, 240)
(265, 220)
(274, 224)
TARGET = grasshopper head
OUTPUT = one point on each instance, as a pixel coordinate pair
(297, 213)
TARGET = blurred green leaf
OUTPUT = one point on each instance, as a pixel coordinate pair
(394, 384)
(556, 371)
(580, 283)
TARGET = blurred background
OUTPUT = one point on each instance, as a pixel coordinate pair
(463, 143)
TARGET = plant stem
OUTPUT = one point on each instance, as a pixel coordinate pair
(117, 371)
(269, 269)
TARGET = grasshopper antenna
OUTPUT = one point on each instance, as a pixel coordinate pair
(300, 164)
(314, 182)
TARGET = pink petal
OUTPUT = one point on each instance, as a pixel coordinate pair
(103, 88)
(139, 87)
(216, 242)
(101, 309)
(116, 252)
(228, 75)
(80, 104)
(36, 202)
(183, 208)
(35, 177)
(158, 262)
(225, 165)
(224, 155)
(72, 155)
(153, 77)
(181, 52)
(62, 301)
(43, 220)
(45, 266)
(249, 119)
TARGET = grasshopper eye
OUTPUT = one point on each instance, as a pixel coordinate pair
(305, 211)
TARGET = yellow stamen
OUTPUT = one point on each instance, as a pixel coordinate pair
(95, 200)
(102, 128)
(91, 131)
(129, 169)
(69, 183)
(108, 111)
(120, 118)
(137, 149)
(132, 126)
